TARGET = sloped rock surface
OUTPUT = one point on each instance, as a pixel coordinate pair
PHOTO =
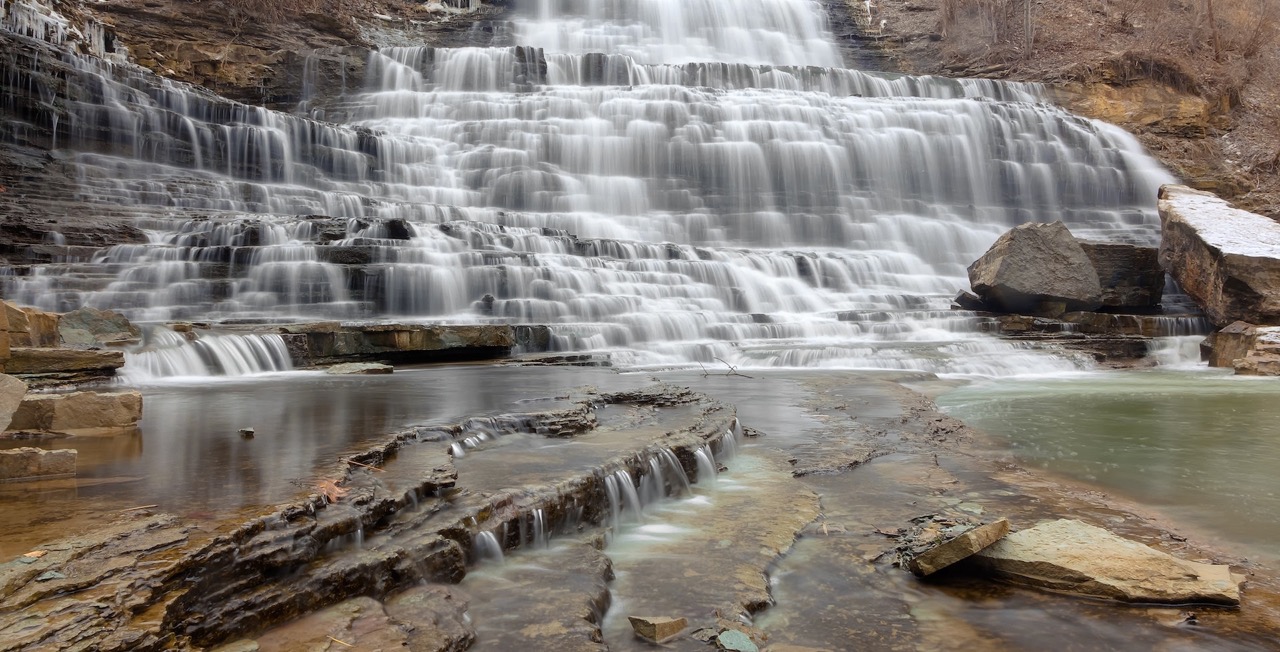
(1075, 557)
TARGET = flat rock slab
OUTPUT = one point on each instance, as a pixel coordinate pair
(21, 464)
(359, 368)
(78, 411)
(962, 547)
(27, 360)
(657, 628)
(1075, 557)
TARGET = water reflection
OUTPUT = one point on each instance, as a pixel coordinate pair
(1200, 446)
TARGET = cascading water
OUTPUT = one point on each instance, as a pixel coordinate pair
(167, 354)
(670, 182)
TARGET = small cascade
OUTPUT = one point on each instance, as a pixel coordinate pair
(1177, 351)
(707, 467)
(680, 485)
(541, 534)
(168, 354)
(485, 547)
(623, 499)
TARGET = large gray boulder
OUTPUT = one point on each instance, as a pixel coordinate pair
(1226, 259)
(1075, 557)
(1036, 269)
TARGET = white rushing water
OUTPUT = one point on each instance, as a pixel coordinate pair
(671, 182)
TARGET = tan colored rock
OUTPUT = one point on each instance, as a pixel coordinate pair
(15, 321)
(28, 360)
(1075, 557)
(78, 411)
(1250, 350)
(21, 464)
(1226, 259)
(657, 628)
(960, 548)
(11, 392)
(4, 337)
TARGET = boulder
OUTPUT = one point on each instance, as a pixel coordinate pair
(966, 300)
(90, 326)
(1075, 557)
(1250, 350)
(657, 628)
(11, 392)
(1130, 276)
(78, 411)
(1036, 269)
(963, 546)
(359, 368)
(35, 464)
(1226, 259)
(31, 326)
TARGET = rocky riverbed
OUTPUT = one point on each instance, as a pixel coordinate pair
(524, 541)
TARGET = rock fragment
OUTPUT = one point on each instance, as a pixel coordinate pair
(963, 546)
(657, 628)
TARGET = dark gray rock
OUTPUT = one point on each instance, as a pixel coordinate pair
(1036, 269)
(1130, 276)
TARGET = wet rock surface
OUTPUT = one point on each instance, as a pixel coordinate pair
(78, 411)
(957, 547)
(25, 464)
(11, 392)
(1068, 555)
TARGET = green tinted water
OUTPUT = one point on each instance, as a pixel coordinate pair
(1202, 446)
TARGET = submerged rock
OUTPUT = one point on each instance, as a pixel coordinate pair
(735, 641)
(359, 368)
(657, 628)
(1227, 259)
(1075, 557)
(1034, 269)
(961, 547)
(36, 464)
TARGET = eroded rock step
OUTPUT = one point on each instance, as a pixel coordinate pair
(145, 585)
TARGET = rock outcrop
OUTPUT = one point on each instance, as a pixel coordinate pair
(1036, 269)
(92, 327)
(1250, 350)
(1075, 557)
(1130, 276)
(1226, 259)
(78, 411)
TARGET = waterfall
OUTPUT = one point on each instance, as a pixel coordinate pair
(167, 354)
(673, 183)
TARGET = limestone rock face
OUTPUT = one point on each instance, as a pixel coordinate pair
(1250, 350)
(90, 326)
(11, 392)
(36, 464)
(1067, 555)
(1227, 259)
(1130, 276)
(30, 326)
(957, 549)
(78, 411)
(1035, 268)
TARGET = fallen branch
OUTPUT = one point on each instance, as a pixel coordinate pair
(367, 466)
(733, 371)
(134, 509)
(340, 642)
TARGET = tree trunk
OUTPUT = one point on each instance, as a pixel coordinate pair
(1213, 27)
